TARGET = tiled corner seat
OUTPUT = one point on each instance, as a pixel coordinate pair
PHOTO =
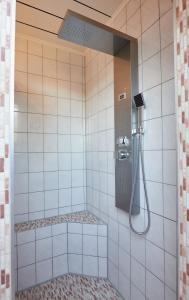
(47, 248)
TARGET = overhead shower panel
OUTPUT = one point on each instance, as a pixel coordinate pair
(81, 30)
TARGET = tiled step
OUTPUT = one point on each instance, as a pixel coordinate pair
(47, 248)
(71, 287)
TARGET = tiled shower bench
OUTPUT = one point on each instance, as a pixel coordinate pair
(47, 248)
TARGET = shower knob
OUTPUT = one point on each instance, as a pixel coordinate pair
(122, 154)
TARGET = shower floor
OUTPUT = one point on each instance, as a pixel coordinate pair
(71, 287)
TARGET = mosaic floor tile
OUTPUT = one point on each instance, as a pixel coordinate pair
(71, 287)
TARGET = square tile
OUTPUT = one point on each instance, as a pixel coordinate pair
(90, 245)
(60, 265)
(90, 265)
(74, 243)
(60, 245)
(26, 277)
(34, 64)
(26, 254)
(75, 263)
(44, 270)
(43, 249)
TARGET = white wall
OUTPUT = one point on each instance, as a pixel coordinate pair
(139, 267)
(49, 131)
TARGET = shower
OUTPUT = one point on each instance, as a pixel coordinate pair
(81, 30)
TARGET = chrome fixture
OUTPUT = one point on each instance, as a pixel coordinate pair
(137, 134)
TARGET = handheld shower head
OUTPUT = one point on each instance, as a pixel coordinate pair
(139, 103)
(139, 100)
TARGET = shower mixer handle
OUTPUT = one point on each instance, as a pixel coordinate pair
(123, 154)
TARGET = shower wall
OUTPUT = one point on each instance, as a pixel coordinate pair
(49, 131)
(139, 267)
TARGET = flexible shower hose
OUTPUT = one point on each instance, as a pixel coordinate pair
(139, 156)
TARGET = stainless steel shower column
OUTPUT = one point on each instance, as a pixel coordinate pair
(89, 33)
(125, 87)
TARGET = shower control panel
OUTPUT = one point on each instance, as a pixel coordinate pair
(125, 148)
(123, 151)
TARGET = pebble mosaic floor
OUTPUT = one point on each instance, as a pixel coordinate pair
(71, 287)
(80, 217)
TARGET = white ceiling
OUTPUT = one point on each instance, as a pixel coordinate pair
(51, 23)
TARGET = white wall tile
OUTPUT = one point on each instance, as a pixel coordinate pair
(35, 142)
(170, 231)
(90, 245)
(63, 71)
(21, 61)
(50, 142)
(151, 41)
(167, 62)
(43, 232)
(36, 182)
(65, 197)
(170, 201)
(76, 74)
(169, 167)
(21, 204)
(21, 183)
(50, 162)
(75, 263)
(156, 266)
(151, 72)
(36, 201)
(168, 96)
(21, 163)
(169, 132)
(49, 52)
(75, 243)
(25, 236)
(34, 48)
(51, 180)
(35, 103)
(90, 265)
(50, 124)
(20, 81)
(102, 267)
(26, 254)
(166, 27)
(60, 265)
(63, 89)
(154, 287)
(60, 244)
(150, 13)
(51, 199)
(49, 68)
(34, 64)
(171, 268)
(35, 162)
(21, 44)
(165, 6)
(50, 105)
(26, 277)
(34, 84)
(76, 228)
(20, 101)
(43, 249)
(35, 123)
(49, 86)
(44, 270)
(138, 275)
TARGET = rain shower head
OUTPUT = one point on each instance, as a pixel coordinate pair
(86, 32)
(139, 100)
